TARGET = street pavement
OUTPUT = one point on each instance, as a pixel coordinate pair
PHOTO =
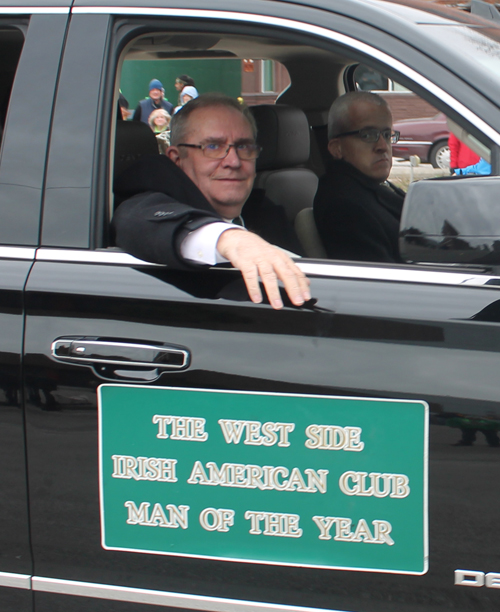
(401, 173)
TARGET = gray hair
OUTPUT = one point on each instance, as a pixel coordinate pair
(339, 117)
(180, 121)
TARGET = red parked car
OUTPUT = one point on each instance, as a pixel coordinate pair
(426, 137)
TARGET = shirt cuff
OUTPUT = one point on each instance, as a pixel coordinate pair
(200, 246)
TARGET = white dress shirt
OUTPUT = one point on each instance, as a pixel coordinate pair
(200, 246)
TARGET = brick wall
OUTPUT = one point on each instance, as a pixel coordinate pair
(403, 104)
(251, 83)
(407, 105)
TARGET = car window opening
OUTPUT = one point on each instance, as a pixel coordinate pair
(11, 43)
(280, 92)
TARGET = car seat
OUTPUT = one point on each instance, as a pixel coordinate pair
(133, 140)
(284, 135)
(307, 233)
(305, 225)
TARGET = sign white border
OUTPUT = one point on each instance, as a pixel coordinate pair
(260, 561)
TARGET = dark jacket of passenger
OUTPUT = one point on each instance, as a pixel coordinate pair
(164, 205)
(357, 217)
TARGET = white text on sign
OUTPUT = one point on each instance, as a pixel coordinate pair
(256, 433)
(274, 524)
(333, 437)
(379, 485)
(181, 428)
(362, 533)
(265, 478)
(144, 468)
(178, 515)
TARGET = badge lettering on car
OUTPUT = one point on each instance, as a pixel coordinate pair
(472, 578)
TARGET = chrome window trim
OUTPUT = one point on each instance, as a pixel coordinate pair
(310, 29)
(415, 142)
(160, 598)
(113, 257)
(324, 268)
(7, 252)
(406, 275)
(31, 10)
(17, 581)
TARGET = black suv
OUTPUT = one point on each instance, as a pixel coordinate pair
(168, 444)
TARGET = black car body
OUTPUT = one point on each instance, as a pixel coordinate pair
(78, 313)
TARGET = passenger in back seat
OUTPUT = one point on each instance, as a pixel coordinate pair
(188, 201)
(356, 210)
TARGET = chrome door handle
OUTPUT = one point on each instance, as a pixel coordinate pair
(131, 357)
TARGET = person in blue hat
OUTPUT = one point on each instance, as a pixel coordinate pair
(154, 101)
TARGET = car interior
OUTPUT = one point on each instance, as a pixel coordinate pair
(292, 132)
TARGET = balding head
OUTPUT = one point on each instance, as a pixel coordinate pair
(357, 111)
(339, 116)
(179, 125)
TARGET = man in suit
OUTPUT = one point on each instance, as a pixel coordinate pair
(186, 202)
(357, 211)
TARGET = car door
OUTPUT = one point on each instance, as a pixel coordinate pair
(31, 44)
(393, 338)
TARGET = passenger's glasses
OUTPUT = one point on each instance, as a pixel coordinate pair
(372, 135)
(217, 150)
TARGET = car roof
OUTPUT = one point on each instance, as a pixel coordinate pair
(445, 9)
(28, 4)
(374, 12)
(388, 15)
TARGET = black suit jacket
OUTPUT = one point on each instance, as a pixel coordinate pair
(162, 205)
(357, 218)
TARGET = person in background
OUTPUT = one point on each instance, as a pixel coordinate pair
(154, 101)
(482, 168)
(159, 122)
(188, 93)
(182, 81)
(460, 155)
(124, 107)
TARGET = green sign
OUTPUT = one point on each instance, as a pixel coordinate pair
(318, 481)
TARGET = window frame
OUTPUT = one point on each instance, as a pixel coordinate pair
(22, 167)
(130, 22)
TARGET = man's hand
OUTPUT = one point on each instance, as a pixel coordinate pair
(255, 258)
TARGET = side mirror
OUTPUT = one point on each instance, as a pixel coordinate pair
(452, 220)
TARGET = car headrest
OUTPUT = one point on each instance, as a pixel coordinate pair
(283, 134)
(133, 140)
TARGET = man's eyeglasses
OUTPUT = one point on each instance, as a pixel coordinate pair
(216, 150)
(372, 135)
